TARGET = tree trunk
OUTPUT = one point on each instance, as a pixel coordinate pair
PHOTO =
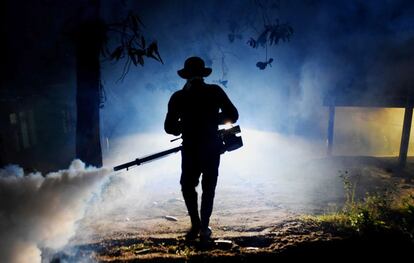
(88, 45)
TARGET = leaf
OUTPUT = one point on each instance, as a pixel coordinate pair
(117, 53)
(131, 55)
(274, 37)
(140, 59)
(261, 65)
(252, 43)
(152, 51)
(132, 43)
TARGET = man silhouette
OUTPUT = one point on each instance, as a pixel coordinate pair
(195, 111)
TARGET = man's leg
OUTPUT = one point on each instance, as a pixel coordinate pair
(190, 198)
(189, 181)
(208, 183)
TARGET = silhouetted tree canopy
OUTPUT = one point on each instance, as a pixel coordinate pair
(267, 28)
(132, 45)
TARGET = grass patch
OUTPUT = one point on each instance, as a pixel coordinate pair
(389, 210)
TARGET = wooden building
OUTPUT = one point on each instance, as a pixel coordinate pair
(381, 100)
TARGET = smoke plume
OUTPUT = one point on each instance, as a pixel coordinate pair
(39, 211)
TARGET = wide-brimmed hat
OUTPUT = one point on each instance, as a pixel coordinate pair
(194, 67)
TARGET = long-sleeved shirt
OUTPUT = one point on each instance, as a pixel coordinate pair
(196, 111)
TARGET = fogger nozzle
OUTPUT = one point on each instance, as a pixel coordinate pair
(229, 139)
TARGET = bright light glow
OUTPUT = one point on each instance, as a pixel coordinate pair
(268, 159)
(271, 173)
(369, 131)
(226, 126)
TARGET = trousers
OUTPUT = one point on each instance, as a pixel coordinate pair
(197, 161)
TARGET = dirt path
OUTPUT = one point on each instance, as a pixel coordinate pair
(256, 216)
(293, 239)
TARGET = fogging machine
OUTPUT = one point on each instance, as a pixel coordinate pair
(229, 138)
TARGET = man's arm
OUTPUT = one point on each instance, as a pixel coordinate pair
(229, 112)
(172, 124)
